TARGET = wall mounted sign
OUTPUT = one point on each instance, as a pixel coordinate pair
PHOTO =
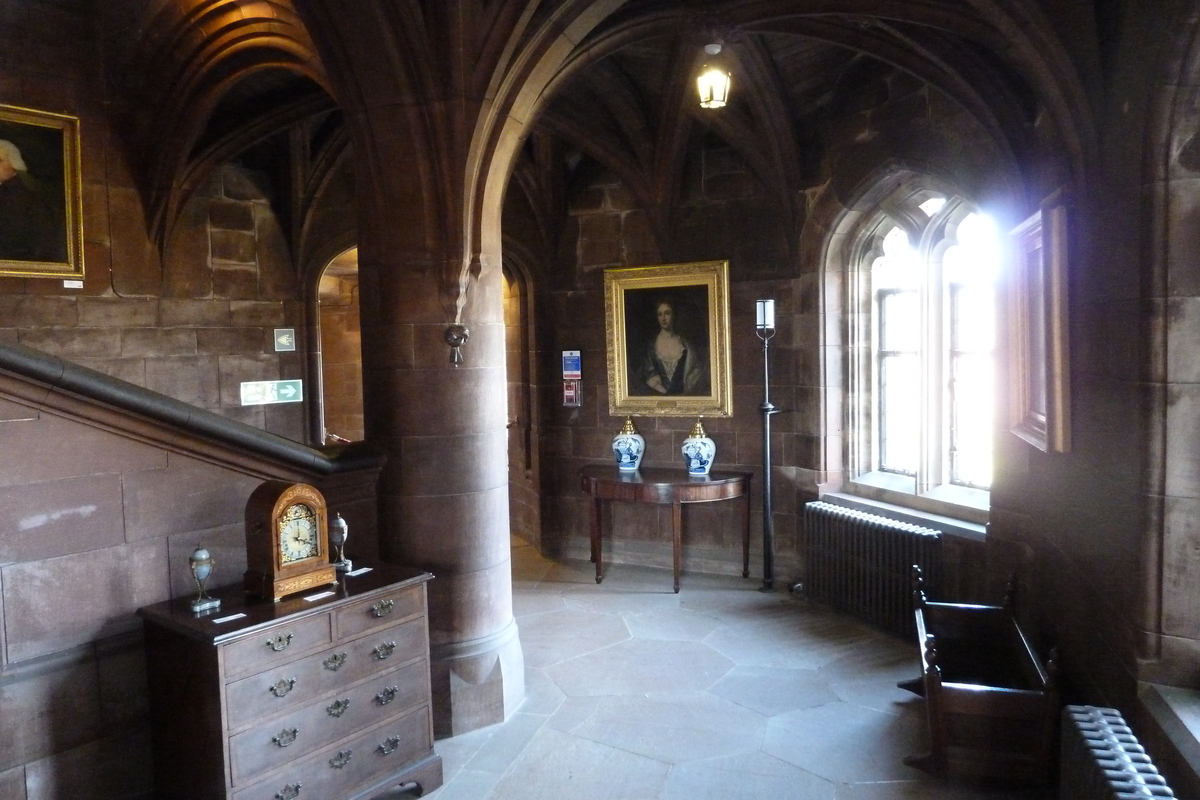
(570, 394)
(285, 340)
(572, 366)
(261, 393)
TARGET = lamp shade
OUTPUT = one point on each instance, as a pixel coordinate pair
(714, 79)
(764, 314)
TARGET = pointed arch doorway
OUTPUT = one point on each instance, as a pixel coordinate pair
(340, 352)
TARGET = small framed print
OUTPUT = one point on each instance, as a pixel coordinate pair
(40, 195)
(668, 340)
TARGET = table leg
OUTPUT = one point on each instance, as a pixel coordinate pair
(746, 532)
(596, 521)
(676, 543)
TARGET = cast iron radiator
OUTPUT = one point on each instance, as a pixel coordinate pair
(1102, 760)
(862, 564)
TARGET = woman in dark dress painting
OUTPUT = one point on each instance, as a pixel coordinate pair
(672, 365)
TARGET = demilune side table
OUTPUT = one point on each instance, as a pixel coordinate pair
(664, 486)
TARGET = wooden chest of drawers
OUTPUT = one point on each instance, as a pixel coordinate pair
(317, 697)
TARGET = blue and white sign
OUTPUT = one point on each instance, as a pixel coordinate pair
(571, 366)
(261, 393)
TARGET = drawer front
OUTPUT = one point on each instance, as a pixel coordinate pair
(289, 686)
(278, 645)
(340, 768)
(330, 719)
(383, 609)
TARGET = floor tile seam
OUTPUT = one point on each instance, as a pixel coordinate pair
(618, 748)
(516, 756)
(581, 655)
(742, 751)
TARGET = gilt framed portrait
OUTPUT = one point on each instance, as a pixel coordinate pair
(41, 206)
(667, 333)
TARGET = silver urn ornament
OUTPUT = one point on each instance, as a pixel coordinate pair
(200, 562)
(339, 532)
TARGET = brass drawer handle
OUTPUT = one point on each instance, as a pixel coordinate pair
(286, 736)
(389, 745)
(284, 686)
(335, 662)
(279, 642)
(382, 608)
(341, 759)
(385, 650)
(289, 792)
(338, 707)
(387, 695)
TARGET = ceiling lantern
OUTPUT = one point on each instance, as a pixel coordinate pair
(714, 79)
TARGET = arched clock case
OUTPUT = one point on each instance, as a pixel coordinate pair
(287, 540)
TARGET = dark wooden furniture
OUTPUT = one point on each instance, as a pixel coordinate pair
(310, 697)
(662, 486)
(992, 706)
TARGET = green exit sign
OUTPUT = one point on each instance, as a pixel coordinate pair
(261, 393)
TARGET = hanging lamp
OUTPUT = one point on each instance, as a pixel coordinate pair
(714, 79)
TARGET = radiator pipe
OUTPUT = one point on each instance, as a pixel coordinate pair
(765, 328)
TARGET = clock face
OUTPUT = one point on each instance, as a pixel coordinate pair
(298, 537)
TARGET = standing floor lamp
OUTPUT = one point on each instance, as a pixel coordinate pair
(765, 324)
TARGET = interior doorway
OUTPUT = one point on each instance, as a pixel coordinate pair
(340, 329)
(524, 497)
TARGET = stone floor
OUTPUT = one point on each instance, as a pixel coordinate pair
(720, 691)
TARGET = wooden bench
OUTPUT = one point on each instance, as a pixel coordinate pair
(992, 706)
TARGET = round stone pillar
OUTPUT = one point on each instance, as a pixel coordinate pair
(444, 490)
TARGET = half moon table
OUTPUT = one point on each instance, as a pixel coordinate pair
(664, 486)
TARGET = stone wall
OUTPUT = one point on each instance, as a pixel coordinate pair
(102, 509)
(726, 212)
(726, 215)
(228, 283)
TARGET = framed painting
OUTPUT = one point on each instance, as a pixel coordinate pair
(1039, 352)
(40, 197)
(668, 340)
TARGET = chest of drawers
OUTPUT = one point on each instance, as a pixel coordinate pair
(321, 696)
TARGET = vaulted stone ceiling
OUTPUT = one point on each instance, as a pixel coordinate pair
(626, 98)
(199, 81)
(204, 80)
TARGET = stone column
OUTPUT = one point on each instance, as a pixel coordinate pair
(445, 487)
(437, 97)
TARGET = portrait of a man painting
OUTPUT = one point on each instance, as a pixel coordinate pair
(40, 202)
(668, 339)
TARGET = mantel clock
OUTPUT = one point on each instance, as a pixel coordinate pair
(287, 540)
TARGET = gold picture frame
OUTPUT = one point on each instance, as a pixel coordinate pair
(667, 330)
(1039, 350)
(41, 199)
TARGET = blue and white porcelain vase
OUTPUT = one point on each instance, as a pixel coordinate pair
(628, 447)
(699, 451)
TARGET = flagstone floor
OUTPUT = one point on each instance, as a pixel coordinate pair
(634, 692)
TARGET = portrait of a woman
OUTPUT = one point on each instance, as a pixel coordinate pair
(670, 362)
